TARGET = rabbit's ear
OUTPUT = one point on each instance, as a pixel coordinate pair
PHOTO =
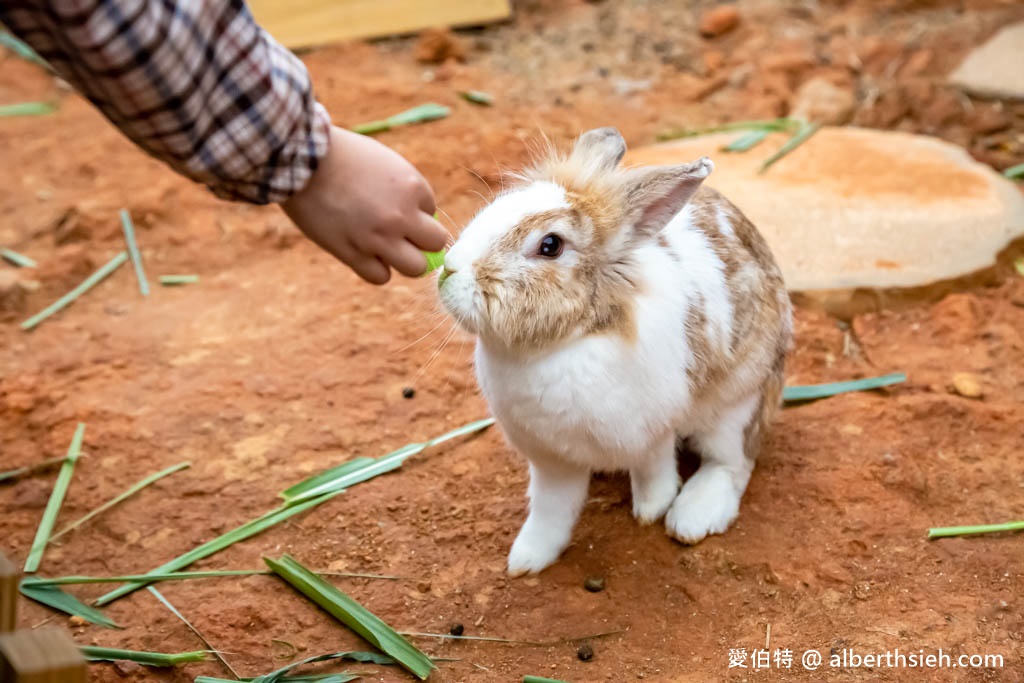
(600, 149)
(657, 193)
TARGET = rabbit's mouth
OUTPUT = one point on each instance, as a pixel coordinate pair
(459, 296)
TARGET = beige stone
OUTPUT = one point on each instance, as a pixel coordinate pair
(968, 385)
(860, 217)
(996, 68)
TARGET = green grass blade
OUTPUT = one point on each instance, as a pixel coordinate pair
(60, 489)
(747, 141)
(364, 657)
(435, 259)
(55, 598)
(151, 479)
(26, 109)
(158, 659)
(326, 479)
(540, 679)
(799, 138)
(812, 392)
(78, 291)
(20, 47)
(770, 125)
(477, 97)
(1014, 172)
(420, 114)
(352, 614)
(362, 469)
(947, 531)
(133, 251)
(470, 428)
(178, 576)
(181, 617)
(15, 473)
(175, 280)
(152, 578)
(241, 533)
(17, 259)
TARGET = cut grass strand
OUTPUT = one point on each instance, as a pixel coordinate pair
(477, 97)
(133, 251)
(948, 531)
(173, 610)
(363, 657)
(55, 598)
(180, 576)
(158, 659)
(151, 479)
(420, 114)
(17, 259)
(241, 533)
(60, 489)
(540, 679)
(813, 392)
(352, 614)
(175, 280)
(26, 109)
(20, 47)
(27, 469)
(747, 141)
(360, 469)
(770, 125)
(1014, 172)
(435, 259)
(90, 282)
(799, 138)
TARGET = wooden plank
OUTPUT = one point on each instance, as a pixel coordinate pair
(46, 655)
(9, 578)
(305, 23)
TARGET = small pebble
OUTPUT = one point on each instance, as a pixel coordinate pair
(423, 586)
(457, 629)
(77, 621)
(408, 392)
(967, 385)
(585, 652)
(594, 584)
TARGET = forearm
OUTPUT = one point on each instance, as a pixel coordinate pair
(197, 84)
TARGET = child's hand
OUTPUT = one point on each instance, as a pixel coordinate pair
(370, 208)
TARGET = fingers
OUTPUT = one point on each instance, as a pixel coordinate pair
(427, 234)
(371, 269)
(366, 266)
(424, 196)
(406, 259)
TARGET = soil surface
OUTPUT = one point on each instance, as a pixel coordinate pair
(281, 363)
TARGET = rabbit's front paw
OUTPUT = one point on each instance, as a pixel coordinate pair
(708, 504)
(533, 551)
(652, 501)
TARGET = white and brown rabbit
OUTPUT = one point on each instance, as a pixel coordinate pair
(616, 312)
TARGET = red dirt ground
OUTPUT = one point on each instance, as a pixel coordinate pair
(281, 363)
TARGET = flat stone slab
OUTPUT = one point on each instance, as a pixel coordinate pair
(996, 68)
(854, 216)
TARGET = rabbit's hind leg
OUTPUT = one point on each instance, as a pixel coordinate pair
(710, 500)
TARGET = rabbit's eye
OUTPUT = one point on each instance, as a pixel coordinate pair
(550, 246)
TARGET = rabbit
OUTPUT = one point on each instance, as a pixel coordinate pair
(616, 312)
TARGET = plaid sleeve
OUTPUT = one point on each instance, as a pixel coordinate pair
(196, 83)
